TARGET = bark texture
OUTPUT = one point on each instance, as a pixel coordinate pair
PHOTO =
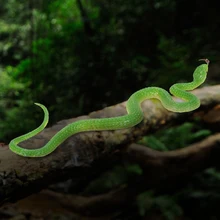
(78, 156)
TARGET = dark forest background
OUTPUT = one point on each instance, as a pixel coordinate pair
(78, 56)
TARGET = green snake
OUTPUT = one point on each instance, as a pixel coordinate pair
(134, 114)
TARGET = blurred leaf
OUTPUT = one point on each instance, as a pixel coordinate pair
(176, 137)
(147, 202)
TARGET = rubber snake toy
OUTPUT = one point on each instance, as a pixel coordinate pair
(133, 117)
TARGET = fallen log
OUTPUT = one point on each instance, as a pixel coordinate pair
(20, 176)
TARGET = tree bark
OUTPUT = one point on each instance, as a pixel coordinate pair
(20, 176)
(85, 19)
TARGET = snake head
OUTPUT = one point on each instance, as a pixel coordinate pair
(201, 71)
(206, 60)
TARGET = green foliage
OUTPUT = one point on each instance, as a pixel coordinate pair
(147, 202)
(117, 176)
(65, 55)
(14, 33)
(11, 106)
(176, 137)
(208, 188)
(201, 196)
(174, 60)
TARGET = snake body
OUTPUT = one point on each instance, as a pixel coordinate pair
(134, 114)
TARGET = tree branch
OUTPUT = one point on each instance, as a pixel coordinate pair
(22, 176)
(85, 19)
(175, 167)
